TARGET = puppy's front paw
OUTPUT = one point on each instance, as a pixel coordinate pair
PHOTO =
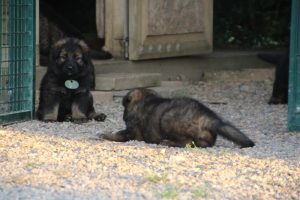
(100, 117)
(68, 118)
(105, 136)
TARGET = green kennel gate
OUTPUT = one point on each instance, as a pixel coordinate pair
(17, 60)
(294, 70)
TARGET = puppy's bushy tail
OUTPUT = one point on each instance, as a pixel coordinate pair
(234, 134)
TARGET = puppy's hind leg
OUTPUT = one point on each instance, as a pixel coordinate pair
(83, 109)
(48, 107)
(170, 143)
(79, 108)
(100, 117)
(120, 136)
(48, 114)
(204, 139)
(78, 114)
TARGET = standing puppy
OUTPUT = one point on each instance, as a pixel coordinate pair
(172, 122)
(65, 89)
(280, 85)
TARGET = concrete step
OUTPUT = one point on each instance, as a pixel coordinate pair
(259, 74)
(123, 81)
(185, 68)
(195, 68)
(115, 81)
(98, 96)
(102, 97)
(249, 74)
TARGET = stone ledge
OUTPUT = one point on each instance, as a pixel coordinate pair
(123, 81)
(102, 97)
(98, 97)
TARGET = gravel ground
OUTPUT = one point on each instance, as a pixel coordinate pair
(66, 161)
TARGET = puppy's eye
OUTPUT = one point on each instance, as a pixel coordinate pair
(63, 56)
(77, 58)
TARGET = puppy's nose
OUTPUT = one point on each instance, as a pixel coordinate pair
(69, 67)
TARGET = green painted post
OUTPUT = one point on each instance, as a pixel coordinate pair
(1, 13)
(294, 70)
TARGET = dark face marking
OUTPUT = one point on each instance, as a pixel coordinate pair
(70, 57)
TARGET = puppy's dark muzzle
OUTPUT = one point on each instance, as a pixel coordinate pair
(69, 70)
(70, 67)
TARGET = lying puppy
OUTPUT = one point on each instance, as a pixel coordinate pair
(65, 89)
(172, 122)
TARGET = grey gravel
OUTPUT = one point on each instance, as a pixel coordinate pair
(67, 161)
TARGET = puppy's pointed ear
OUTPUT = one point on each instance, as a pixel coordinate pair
(134, 96)
(60, 43)
(53, 59)
(83, 46)
(56, 48)
(86, 53)
(87, 60)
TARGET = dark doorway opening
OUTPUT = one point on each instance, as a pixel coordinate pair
(69, 18)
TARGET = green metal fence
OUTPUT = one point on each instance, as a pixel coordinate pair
(294, 70)
(17, 71)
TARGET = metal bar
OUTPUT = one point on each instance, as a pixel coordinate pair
(1, 14)
(11, 54)
(15, 117)
(33, 57)
(17, 51)
(294, 69)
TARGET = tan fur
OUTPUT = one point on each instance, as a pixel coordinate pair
(52, 116)
(60, 43)
(76, 113)
(135, 96)
(83, 45)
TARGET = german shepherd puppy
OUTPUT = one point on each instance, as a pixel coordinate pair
(172, 122)
(65, 89)
(280, 85)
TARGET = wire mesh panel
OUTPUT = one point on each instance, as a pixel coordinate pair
(17, 30)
